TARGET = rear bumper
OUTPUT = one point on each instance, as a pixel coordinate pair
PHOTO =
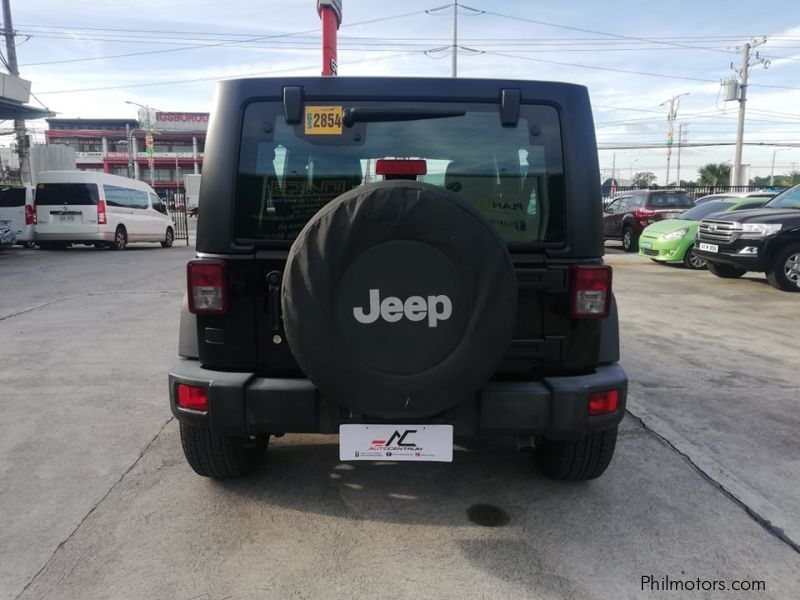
(75, 237)
(244, 404)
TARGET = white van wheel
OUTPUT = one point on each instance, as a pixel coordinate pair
(120, 239)
(168, 238)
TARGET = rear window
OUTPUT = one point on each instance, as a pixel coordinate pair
(513, 175)
(12, 197)
(70, 194)
(670, 200)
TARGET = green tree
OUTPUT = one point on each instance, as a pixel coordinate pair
(761, 181)
(644, 179)
(715, 174)
(793, 178)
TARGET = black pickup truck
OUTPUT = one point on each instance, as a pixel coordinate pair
(399, 261)
(765, 239)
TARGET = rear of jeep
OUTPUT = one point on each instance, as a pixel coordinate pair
(399, 261)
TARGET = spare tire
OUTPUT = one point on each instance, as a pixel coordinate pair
(399, 300)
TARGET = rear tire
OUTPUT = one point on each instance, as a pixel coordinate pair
(169, 237)
(218, 457)
(576, 460)
(692, 261)
(630, 243)
(726, 271)
(784, 273)
(120, 239)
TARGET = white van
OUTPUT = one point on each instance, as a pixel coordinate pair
(18, 213)
(88, 207)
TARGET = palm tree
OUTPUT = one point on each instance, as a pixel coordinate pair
(715, 174)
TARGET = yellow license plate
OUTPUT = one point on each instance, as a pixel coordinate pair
(323, 120)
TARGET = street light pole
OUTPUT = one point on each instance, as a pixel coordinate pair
(772, 169)
(674, 104)
(630, 175)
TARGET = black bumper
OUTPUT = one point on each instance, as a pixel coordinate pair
(245, 404)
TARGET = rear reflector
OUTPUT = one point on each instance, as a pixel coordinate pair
(30, 214)
(591, 291)
(207, 286)
(603, 403)
(192, 397)
(644, 212)
(401, 166)
(101, 213)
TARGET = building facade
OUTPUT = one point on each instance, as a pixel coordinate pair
(119, 146)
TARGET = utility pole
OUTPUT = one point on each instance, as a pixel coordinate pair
(681, 140)
(614, 166)
(674, 104)
(744, 73)
(19, 124)
(454, 69)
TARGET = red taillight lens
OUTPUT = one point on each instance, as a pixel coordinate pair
(603, 403)
(30, 214)
(101, 212)
(192, 397)
(644, 212)
(401, 166)
(207, 287)
(591, 291)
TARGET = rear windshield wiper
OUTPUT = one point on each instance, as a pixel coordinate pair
(374, 115)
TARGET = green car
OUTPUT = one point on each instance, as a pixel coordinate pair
(672, 240)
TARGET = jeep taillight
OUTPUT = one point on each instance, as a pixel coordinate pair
(644, 213)
(207, 286)
(101, 212)
(591, 291)
(30, 214)
(192, 397)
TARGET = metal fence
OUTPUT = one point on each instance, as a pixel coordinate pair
(176, 205)
(695, 191)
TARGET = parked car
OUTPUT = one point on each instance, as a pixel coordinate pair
(105, 210)
(627, 216)
(765, 239)
(756, 194)
(17, 211)
(7, 237)
(399, 313)
(672, 241)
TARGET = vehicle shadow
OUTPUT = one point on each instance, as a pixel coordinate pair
(309, 477)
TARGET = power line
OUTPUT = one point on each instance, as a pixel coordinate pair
(217, 78)
(223, 43)
(594, 31)
(615, 70)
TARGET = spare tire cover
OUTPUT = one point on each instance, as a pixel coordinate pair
(399, 300)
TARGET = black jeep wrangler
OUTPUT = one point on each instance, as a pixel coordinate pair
(765, 239)
(399, 261)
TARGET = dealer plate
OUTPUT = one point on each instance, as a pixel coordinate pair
(646, 245)
(708, 247)
(323, 120)
(396, 442)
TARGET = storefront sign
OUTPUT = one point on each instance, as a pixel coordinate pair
(181, 121)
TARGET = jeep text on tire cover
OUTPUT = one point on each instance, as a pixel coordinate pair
(415, 308)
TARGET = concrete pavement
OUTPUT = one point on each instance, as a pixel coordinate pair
(99, 503)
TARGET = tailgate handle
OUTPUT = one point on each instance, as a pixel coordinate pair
(274, 300)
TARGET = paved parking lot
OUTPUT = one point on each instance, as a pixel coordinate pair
(97, 502)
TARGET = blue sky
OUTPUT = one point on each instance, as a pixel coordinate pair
(695, 40)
